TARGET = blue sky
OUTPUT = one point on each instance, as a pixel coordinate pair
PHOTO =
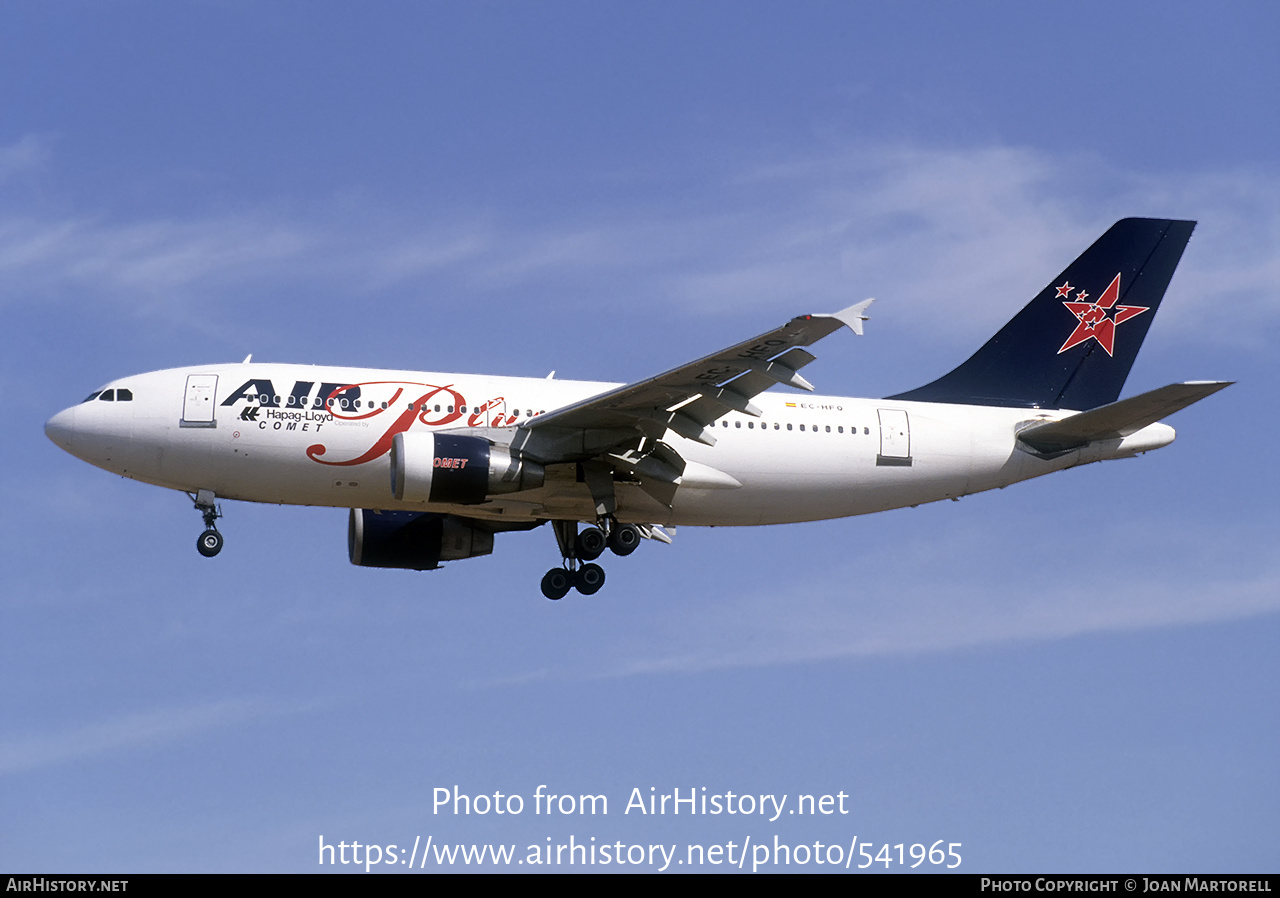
(1075, 674)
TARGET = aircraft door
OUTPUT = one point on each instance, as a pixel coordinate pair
(895, 437)
(197, 406)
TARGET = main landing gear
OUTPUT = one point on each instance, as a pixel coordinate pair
(209, 543)
(580, 550)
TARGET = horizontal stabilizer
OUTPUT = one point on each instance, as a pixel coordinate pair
(1119, 419)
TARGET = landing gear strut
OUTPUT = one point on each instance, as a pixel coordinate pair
(209, 543)
(579, 551)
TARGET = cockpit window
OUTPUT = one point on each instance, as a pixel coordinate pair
(120, 395)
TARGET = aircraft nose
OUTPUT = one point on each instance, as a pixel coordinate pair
(61, 429)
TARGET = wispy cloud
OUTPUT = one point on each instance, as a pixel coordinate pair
(828, 620)
(945, 594)
(932, 230)
(144, 729)
(29, 154)
(147, 259)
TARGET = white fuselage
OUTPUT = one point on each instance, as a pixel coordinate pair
(310, 435)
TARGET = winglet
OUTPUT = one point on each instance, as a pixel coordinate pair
(853, 316)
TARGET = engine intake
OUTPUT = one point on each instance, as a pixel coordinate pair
(456, 470)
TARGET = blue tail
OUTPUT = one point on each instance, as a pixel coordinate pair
(1073, 345)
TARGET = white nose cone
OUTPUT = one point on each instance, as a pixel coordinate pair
(61, 429)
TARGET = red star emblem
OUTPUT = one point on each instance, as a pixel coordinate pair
(1065, 289)
(1094, 320)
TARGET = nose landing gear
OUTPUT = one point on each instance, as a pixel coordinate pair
(208, 543)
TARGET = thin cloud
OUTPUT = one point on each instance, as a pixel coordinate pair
(961, 594)
(145, 729)
(827, 620)
(145, 259)
(932, 231)
(29, 154)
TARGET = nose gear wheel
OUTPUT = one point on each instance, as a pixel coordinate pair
(209, 543)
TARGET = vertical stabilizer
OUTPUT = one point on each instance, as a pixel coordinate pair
(1073, 345)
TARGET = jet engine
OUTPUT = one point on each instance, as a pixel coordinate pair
(412, 540)
(456, 470)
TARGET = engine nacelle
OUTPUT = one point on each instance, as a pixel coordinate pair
(412, 540)
(456, 470)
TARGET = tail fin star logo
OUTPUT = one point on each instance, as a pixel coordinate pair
(1097, 320)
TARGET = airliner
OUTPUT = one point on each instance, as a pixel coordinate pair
(433, 465)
